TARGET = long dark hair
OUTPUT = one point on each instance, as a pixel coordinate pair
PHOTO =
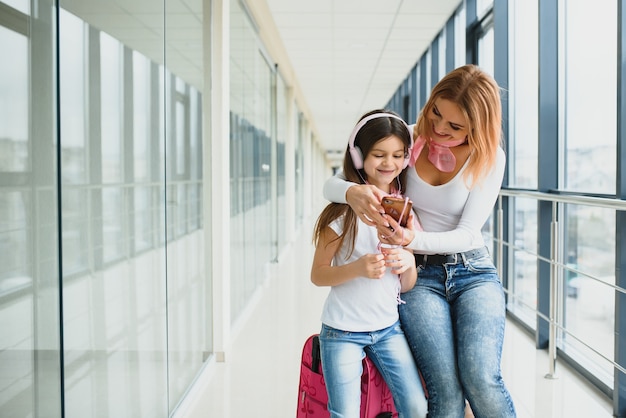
(373, 131)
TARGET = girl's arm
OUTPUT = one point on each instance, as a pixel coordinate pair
(324, 273)
(364, 199)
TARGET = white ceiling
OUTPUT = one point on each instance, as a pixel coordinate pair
(350, 56)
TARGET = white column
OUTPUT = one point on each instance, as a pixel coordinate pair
(217, 169)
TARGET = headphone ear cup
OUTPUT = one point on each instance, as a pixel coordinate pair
(357, 157)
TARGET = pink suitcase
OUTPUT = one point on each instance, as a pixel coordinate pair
(376, 399)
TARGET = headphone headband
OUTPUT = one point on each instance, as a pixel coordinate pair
(355, 152)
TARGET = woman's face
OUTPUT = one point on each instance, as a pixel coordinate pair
(446, 121)
(384, 162)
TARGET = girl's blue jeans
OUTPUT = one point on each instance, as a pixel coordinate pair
(454, 321)
(342, 354)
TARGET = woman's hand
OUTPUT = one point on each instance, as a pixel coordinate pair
(364, 199)
(404, 260)
(394, 233)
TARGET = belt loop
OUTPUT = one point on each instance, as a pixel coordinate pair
(456, 258)
(425, 259)
(464, 257)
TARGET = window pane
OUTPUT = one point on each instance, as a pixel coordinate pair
(29, 282)
(111, 93)
(523, 94)
(590, 101)
(14, 104)
(141, 116)
(114, 312)
(483, 6)
(589, 303)
(486, 51)
(21, 5)
(524, 260)
(459, 38)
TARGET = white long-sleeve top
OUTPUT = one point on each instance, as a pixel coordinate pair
(451, 214)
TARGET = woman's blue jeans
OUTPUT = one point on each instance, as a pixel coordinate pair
(342, 354)
(454, 321)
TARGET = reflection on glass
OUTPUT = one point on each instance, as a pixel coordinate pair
(21, 5)
(111, 105)
(251, 157)
(29, 250)
(14, 153)
(113, 239)
(135, 335)
(141, 116)
(15, 260)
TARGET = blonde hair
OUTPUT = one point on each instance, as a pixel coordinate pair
(478, 97)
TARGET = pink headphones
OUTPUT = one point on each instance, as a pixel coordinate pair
(355, 152)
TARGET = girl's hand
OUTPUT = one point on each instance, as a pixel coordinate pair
(364, 199)
(372, 266)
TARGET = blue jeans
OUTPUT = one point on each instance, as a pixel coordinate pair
(454, 322)
(342, 354)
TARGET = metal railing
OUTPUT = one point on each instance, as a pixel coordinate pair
(556, 265)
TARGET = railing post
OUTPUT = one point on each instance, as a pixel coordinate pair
(554, 291)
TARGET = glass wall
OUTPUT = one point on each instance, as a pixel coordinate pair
(104, 294)
(251, 146)
(30, 350)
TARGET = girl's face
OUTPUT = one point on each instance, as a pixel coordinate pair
(447, 121)
(384, 162)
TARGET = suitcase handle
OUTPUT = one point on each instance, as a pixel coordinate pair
(316, 355)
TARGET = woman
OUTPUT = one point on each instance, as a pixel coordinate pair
(454, 317)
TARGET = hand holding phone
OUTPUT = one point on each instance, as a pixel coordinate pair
(398, 208)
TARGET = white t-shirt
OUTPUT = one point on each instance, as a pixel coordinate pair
(451, 214)
(361, 304)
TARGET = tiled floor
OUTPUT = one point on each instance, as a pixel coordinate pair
(260, 377)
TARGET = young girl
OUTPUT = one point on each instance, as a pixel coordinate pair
(360, 315)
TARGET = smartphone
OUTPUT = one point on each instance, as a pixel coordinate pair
(398, 208)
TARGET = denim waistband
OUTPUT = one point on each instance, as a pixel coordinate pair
(437, 259)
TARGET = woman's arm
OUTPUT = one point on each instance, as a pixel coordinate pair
(335, 188)
(324, 273)
(479, 206)
(364, 199)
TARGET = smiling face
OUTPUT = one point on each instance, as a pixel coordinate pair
(446, 121)
(384, 162)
